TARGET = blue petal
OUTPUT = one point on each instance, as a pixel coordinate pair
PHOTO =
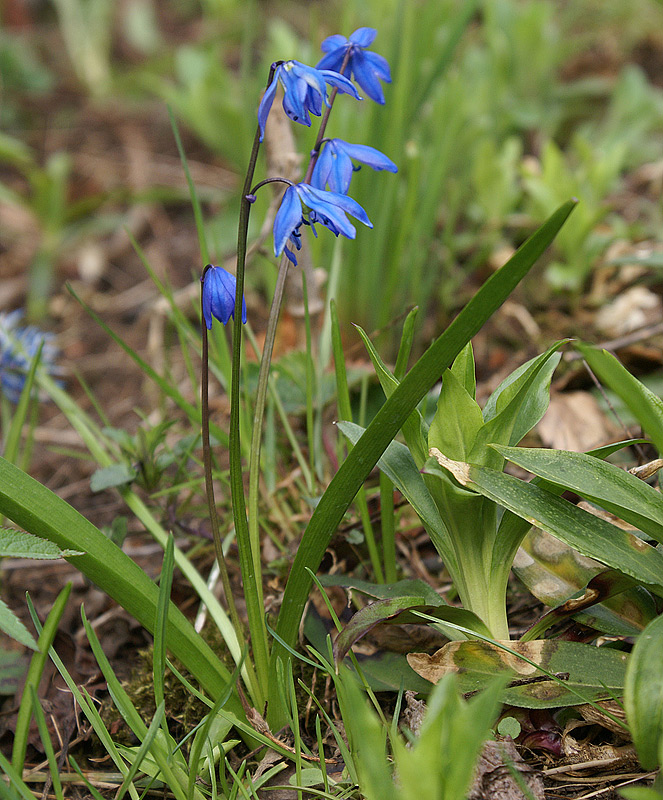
(219, 296)
(334, 43)
(290, 256)
(366, 77)
(311, 75)
(342, 83)
(341, 172)
(380, 66)
(363, 37)
(366, 155)
(332, 61)
(344, 202)
(266, 103)
(322, 167)
(288, 218)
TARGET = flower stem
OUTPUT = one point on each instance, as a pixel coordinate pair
(249, 565)
(259, 409)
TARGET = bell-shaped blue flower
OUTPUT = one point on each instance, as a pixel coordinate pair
(304, 91)
(327, 208)
(367, 68)
(219, 296)
(334, 166)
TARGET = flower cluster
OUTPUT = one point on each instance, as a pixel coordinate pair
(322, 197)
(18, 346)
(327, 208)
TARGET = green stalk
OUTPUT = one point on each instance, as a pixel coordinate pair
(35, 670)
(250, 566)
(258, 416)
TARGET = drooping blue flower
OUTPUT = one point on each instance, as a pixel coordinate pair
(327, 208)
(304, 91)
(367, 68)
(334, 166)
(18, 346)
(219, 296)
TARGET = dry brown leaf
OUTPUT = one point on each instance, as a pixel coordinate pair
(494, 780)
(574, 421)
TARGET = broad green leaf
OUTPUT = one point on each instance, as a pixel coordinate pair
(518, 408)
(590, 535)
(605, 585)
(512, 385)
(111, 477)
(14, 628)
(457, 419)
(19, 544)
(383, 429)
(399, 466)
(594, 672)
(396, 608)
(463, 368)
(645, 406)
(553, 572)
(643, 694)
(600, 482)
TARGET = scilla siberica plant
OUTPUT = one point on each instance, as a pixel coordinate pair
(304, 204)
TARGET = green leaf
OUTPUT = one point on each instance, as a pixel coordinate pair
(594, 672)
(645, 406)
(517, 408)
(553, 572)
(112, 477)
(590, 535)
(399, 466)
(19, 544)
(600, 482)
(395, 608)
(13, 627)
(414, 426)
(384, 591)
(40, 511)
(463, 368)
(643, 694)
(457, 419)
(388, 421)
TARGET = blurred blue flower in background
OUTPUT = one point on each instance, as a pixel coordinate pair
(304, 91)
(367, 68)
(334, 165)
(219, 287)
(327, 208)
(18, 346)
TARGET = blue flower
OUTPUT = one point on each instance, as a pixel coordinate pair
(367, 68)
(18, 346)
(219, 296)
(334, 165)
(327, 208)
(304, 90)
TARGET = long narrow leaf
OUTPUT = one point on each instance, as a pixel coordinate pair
(600, 482)
(38, 510)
